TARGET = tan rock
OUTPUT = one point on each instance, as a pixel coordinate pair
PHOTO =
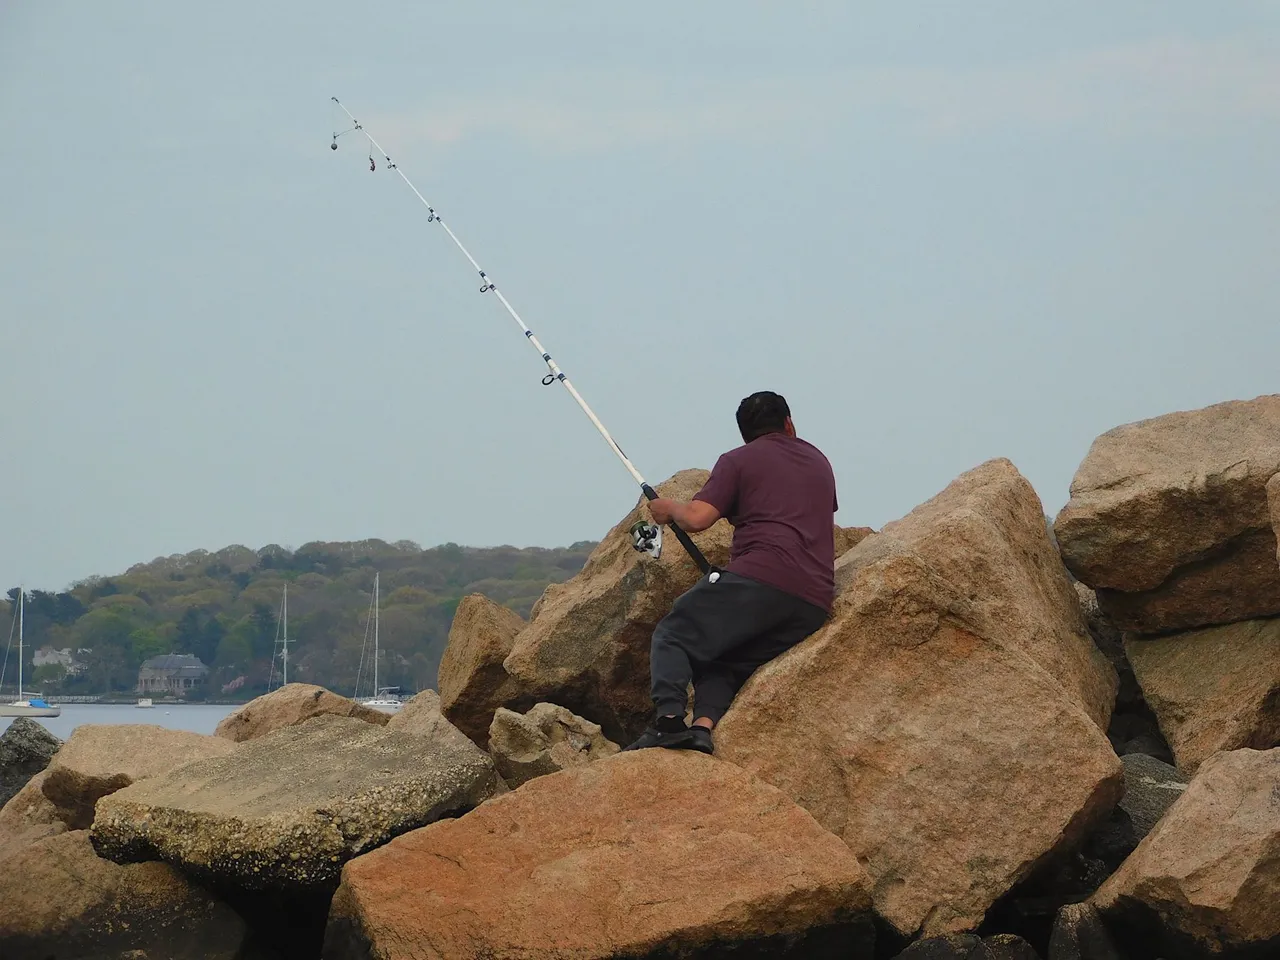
(1273, 506)
(847, 538)
(286, 810)
(27, 817)
(99, 759)
(985, 534)
(545, 740)
(61, 900)
(1168, 518)
(1206, 881)
(291, 704)
(421, 717)
(645, 853)
(473, 682)
(587, 642)
(1214, 689)
(932, 724)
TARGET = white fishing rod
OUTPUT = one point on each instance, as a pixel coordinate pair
(646, 537)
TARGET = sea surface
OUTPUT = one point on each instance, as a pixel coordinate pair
(195, 717)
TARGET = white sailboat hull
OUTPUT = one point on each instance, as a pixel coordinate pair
(384, 705)
(26, 710)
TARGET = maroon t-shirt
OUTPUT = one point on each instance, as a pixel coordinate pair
(780, 495)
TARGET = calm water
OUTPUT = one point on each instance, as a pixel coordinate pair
(197, 718)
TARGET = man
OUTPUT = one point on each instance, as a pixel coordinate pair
(779, 493)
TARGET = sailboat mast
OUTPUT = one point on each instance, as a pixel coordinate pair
(21, 596)
(375, 633)
(284, 651)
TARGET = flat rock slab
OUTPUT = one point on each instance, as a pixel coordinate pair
(952, 744)
(1168, 518)
(25, 749)
(285, 811)
(292, 704)
(1214, 689)
(1206, 881)
(646, 854)
(60, 900)
(98, 759)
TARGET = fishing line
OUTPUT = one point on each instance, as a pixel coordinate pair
(646, 538)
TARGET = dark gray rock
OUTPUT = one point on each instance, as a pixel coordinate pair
(956, 946)
(1150, 788)
(1078, 934)
(1004, 946)
(25, 749)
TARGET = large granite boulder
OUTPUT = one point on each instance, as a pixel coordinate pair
(291, 704)
(25, 749)
(473, 682)
(985, 534)
(545, 740)
(99, 759)
(1213, 689)
(1206, 881)
(1168, 518)
(648, 854)
(945, 723)
(60, 900)
(286, 810)
(586, 646)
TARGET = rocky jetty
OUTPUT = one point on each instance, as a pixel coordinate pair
(1010, 741)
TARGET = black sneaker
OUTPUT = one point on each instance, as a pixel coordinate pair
(701, 741)
(671, 739)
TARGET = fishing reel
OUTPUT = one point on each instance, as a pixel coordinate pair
(647, 538)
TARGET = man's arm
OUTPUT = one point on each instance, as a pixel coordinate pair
(690, 517)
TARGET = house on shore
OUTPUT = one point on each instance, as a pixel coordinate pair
(173, 673)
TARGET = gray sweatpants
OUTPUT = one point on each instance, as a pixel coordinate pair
(717, 634)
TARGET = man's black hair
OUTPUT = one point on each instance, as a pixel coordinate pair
(762, 413)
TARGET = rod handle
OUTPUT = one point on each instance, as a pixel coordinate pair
(685, 540)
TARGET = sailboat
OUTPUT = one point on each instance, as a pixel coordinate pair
(29, 706)
(380, 699)
(282, 641)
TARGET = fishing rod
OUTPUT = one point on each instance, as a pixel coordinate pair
(645, 537)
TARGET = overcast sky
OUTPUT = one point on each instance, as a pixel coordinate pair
(946, 232)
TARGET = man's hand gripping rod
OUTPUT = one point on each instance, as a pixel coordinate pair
(646, 538)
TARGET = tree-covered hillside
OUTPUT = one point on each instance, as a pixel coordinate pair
(224, 608)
